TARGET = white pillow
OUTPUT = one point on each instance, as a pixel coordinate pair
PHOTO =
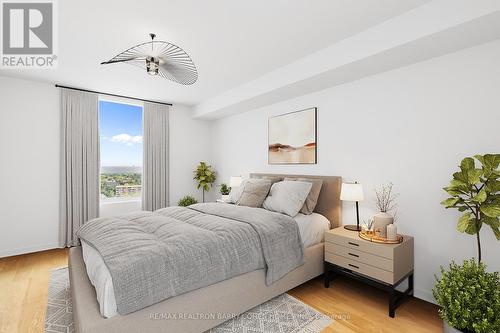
(235, 194)
(287, 197)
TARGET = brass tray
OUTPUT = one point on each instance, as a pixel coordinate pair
(372, 237)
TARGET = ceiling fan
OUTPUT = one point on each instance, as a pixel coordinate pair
(160, 58)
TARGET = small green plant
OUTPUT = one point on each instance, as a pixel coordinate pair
(224, 189)
(205, 177)
(476, 192)
(187, 201)
(469, 297)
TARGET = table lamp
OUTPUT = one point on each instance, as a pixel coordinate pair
(235, 181)
(352, 192)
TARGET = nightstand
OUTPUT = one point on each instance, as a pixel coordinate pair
(383, 266)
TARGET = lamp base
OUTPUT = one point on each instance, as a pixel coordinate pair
(352, 227)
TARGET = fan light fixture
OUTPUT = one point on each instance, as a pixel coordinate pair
(160, 58)
(152, 65)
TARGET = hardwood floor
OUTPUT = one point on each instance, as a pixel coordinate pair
(23, 289)
(354, 306)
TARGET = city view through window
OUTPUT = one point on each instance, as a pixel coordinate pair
(120, 130)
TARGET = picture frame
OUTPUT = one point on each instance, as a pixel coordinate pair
(292, 137)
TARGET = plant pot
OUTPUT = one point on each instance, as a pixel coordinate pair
(224, 197)
(381, 221)
(448, 329)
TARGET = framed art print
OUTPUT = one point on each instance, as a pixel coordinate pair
(292, 138)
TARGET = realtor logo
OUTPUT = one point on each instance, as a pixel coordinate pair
(28, 34)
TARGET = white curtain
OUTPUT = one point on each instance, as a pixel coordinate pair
(155, 146)
(79, 200)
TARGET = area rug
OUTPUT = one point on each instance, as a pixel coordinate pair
(59, 316)
(282, 314)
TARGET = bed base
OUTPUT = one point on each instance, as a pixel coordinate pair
(192, 312)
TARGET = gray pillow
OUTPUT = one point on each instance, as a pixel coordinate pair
(273, 179)
(287, 197)
(312, 198)
(254, 192)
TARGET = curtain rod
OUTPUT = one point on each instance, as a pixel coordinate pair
(114, 95)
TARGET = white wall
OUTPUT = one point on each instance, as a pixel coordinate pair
(189, 144)
(410, 126)
(29, 166)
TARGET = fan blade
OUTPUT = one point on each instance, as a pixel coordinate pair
(113, 61)
(183, 73)
(137, 52)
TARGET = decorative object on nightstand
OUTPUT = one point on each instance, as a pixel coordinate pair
(386, 203)
(352, 192)
(383, 266)
(392, 232)
(371, 236)
(224, 191)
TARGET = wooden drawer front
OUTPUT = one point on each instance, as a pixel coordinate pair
(360, 256)
(380, 250)
(359, 267)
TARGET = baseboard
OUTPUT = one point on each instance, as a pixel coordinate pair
(425, 295)
(30, 249)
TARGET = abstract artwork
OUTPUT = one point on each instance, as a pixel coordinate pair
(292, 138)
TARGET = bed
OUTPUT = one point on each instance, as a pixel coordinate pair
(201, 309)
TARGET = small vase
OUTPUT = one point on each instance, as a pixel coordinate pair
(381, 221)
(224, 198)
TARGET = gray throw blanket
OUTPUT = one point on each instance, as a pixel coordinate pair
(152, 256)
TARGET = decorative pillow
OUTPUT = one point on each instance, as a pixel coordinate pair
(253, 193)
(287, 197)
(272, 179)
(312, 198)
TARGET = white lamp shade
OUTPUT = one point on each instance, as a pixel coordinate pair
(351, 192)
(234, 181)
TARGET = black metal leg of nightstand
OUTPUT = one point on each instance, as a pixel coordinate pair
(410, 284)
(397, 297)
(392, 302)
(328, 276)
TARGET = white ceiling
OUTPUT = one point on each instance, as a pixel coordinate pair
(231, 42)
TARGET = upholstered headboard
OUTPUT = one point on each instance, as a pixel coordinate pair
(329, 204)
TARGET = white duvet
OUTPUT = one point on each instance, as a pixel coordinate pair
(311, 227)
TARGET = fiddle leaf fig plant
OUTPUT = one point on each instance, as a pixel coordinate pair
(475, 191)
(205, 177)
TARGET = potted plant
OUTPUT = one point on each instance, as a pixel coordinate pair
(205, 177)
(187, 201)
(469, 297)
(224, 191)
(476, 193)
(385, 199)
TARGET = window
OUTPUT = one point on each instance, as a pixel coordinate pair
(120, 130)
